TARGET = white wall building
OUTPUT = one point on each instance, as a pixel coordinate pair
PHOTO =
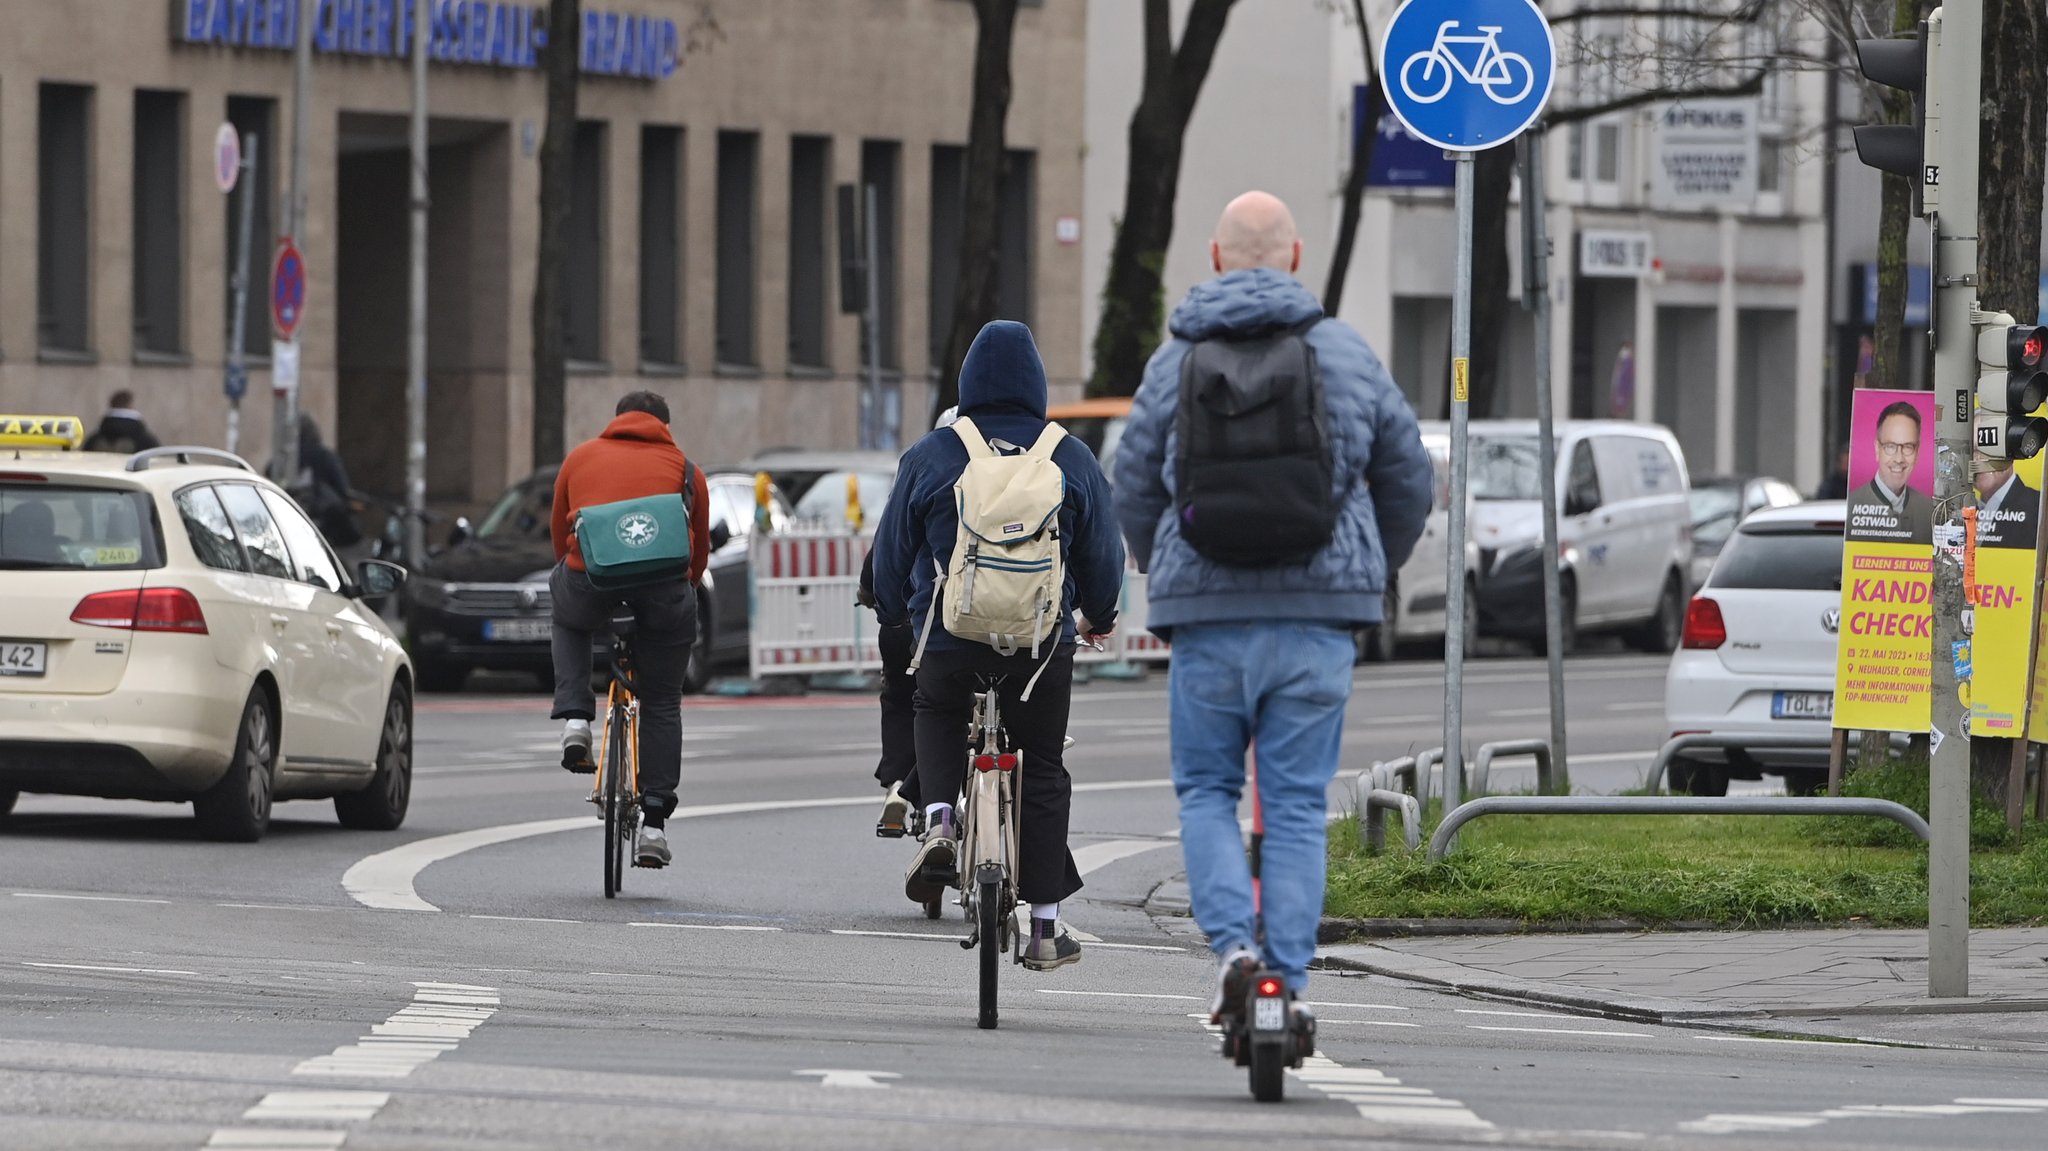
(1703, 312)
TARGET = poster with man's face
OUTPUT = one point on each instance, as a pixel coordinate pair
(1891, 468)
(2007, 509)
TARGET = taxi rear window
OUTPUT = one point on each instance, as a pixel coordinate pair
(49, 526)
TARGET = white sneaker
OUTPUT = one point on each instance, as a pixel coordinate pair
(651, 848)
(576, 747)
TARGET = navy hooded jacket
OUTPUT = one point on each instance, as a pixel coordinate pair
(1002, 389)
(1382, 477)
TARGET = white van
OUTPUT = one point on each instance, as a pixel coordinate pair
(1624, 530)
(1418, 595)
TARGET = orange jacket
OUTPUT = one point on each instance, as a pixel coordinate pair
(634, 457)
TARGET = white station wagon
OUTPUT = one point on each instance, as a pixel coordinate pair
(173, 627)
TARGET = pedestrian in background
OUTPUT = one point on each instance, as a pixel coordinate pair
(1271, 477)
(121, 429)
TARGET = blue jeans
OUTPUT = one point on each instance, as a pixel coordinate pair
(1283, 687)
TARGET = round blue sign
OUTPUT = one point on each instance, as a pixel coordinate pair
(1467, 75)
(287, 290)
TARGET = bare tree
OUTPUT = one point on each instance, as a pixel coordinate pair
(559, 60)
(981, 247)
(1132, 299)
(2010, 177)
(1365, 136)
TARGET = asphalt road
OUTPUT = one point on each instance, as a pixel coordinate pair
(472, 988)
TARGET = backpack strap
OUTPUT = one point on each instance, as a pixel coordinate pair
(1048, 440)
(973, 440)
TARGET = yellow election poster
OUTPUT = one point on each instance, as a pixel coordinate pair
(2002, 596)
(1882, 656)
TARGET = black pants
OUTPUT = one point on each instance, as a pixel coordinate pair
(664, 627)
(946, 689)
(899, 712)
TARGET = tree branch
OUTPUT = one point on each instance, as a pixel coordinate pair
(1196, 52)
(1563, 116)
(1746, 14)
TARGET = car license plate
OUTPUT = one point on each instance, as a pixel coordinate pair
(18, 658)
(518, 630)
(1269, 1014)
(1803, 705)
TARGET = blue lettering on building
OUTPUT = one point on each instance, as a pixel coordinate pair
(488, 33)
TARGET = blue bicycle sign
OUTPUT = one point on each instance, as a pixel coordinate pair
(1467, 74)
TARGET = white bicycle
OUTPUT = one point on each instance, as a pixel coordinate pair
(1494, 71)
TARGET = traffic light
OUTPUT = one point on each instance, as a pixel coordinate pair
(2012, 384)
(1900, 149)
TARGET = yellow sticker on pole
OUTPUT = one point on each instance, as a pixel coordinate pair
(1461, 379)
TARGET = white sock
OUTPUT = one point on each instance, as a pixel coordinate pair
(1045, 911)
(934, 812)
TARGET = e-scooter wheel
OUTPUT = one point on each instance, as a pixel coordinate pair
(989, 904)
(1268, 1071)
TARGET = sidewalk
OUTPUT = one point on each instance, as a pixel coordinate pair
(1846, 983)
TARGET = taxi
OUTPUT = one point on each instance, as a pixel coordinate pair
(173, 627)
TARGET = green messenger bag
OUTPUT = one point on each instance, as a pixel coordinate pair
(635, 542)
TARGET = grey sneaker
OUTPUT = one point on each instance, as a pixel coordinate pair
(1044, 953)
(934, 869)
(576, 747)
(895, 819)
(1233, 981)
(650, 848)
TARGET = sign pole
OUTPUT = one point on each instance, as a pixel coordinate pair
(237, 382)
(1956, 34)
(871, 387)
(1461, 395)
(416, 334)
(284, 386)
(1536, 296)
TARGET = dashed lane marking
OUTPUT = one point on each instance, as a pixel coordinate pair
(86, 898)
(1119, 994)
(897, 934)
(1562, 1031)
(1377, 1096)
(710, 926)
(1753, 1123)
(440, 1016)
(261, 1139)
(114, 970)
(851, 1078)
(317, 1106)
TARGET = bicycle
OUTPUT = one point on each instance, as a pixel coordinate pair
(989, 826)
(1495, 68)
(616, 790)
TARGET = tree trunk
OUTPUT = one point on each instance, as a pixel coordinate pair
(1894, 214)
(1132, 298)
(2009, 224)
(1493, 174)
(981, 248)
(1365, 137)
(550, 295)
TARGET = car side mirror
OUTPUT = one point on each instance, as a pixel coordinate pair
(460, 533)
(379, 578)
(721, 535)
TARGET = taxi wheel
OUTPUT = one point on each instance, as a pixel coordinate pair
(382, 805)
(237, 809)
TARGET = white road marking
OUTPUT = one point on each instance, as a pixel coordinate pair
(1562, 1031)
(1738, 1123)
(268, 1139)
(1139, 947)
(1358, 1006)
(709, 926)
(522, 918)
(1803, 1042)
(1119, 994)
(2041, 1103)
(851, 1078)
(1366, 1022)
(897, 934)
(116, 970)
(1094, 856)
(87, 898)
(1529, 1015)
(318, 1106)
(271, 907)
(440, 1016)
(1383, 1098)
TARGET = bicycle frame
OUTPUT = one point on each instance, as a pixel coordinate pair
(992, 819)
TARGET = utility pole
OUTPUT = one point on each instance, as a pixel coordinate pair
(284, 448)
(871, 437)
(238, 334)
(1955, 55)
(416, 333)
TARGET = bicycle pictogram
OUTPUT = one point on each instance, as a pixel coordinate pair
(1494, 71)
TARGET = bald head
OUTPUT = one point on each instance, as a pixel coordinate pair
(1256, 231)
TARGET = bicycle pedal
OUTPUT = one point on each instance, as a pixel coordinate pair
(577, 765)
(886, 831)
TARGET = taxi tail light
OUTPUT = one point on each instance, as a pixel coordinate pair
(1704, 627)
(142, 609)
(984, 763)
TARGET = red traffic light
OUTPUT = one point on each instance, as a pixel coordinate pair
(2026, 345)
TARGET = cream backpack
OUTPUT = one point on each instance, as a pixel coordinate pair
(1006, 584)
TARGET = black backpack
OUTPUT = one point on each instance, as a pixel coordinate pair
(1254, 471)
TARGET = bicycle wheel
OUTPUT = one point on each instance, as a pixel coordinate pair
(989, 902)
(614, 809)
(1268, 1071)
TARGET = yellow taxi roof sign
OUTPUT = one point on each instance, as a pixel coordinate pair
(66, 433)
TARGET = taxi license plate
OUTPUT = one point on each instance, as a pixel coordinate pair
(1269, 1014)
(17, 658)
(518, 630)
(1803, 705)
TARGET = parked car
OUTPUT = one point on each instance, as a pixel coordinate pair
(483, 602)
(817, 479)
(1758, 655)
(1418, 596)
(1099, 423)
(1624, 530)
(176, 629)
(1719, 503)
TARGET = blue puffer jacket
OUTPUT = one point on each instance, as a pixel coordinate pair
(1382, 474)
(1002, 389)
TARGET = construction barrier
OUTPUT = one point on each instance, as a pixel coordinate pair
(803, 618)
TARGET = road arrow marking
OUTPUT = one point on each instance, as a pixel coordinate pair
(851, 1078)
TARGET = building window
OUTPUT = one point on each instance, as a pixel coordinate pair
(252, 115)
(159, 222)
(739, 156)
(810, 173)
(881, 168)
(1607, 153)
(583, 259)
(661, 244)
(1770, 162)
(1016, 208)
(63, 222)
(1575, 151)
